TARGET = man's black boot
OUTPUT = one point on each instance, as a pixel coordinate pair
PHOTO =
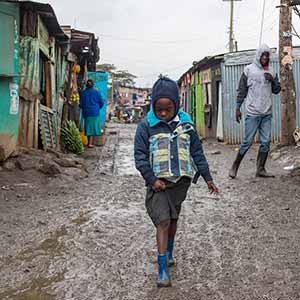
(236, 164)
(261, 162)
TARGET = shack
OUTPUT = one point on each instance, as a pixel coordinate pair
(43, 49)
(9, 77)
(201, 94)
(209, 93)
(83, 55)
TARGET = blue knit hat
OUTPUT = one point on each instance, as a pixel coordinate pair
(164, 87)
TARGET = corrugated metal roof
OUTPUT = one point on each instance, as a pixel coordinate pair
(208, 62)
(205, 63)
(247, 56)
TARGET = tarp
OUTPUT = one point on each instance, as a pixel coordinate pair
(29, 67)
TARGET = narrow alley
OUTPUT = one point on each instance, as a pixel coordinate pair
(91, 239)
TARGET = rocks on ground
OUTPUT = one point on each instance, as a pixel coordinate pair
(50, 163)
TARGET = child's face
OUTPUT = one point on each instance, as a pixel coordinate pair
(164, 109)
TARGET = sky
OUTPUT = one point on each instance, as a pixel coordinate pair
(148, 38)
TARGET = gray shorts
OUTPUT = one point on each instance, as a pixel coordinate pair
(166, 205)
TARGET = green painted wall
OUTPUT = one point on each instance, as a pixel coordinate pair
(193, 102)
(9, 68)
(199, 106)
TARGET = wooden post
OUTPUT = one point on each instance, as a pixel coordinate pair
(288, 95)
(48, 84)
(36, 123)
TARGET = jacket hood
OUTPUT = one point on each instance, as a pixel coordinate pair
(164, 87)
(263, 48)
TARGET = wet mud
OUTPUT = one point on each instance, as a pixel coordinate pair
(91, 239)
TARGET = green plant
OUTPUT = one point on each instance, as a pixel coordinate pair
(71, 138)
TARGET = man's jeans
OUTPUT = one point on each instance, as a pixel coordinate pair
(262, 124)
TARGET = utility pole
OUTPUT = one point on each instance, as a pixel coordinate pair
(231, 29)
(262, 23)
(231, 37)
(288, 94)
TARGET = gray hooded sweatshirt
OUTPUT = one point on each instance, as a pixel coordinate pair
(255, 90)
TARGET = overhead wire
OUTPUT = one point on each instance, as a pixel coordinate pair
(267, 17)
(130, 39)
(267, 24)
(172, 42)
(165, 71)
(295, 33)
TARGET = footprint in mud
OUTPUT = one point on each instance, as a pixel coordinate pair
(38, 289)
(50, 246)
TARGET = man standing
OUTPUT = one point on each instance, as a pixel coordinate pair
(256, 87)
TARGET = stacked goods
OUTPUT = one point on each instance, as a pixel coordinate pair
(75, 98)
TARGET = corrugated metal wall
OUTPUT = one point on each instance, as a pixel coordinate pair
(231, 73)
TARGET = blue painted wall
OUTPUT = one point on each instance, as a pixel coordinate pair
(101, 84)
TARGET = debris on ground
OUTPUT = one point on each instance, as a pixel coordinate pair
(288, 157)
(217, 152)
(62, 241)
(31, 163)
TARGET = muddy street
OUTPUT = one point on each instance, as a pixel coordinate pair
(91, 239)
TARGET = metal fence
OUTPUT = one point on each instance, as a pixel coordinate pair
(231, 73)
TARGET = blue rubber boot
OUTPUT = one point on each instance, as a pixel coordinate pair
(171, 260)
(163, 272)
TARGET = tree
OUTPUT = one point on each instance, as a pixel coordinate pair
(119, 77)
(109, 68)
(123, 77)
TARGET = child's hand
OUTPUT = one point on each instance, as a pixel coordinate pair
(212, 188)
(159, 186)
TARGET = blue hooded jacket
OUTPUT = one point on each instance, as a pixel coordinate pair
(91, 102)
(152, 126)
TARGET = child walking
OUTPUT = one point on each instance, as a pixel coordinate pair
(167, 149)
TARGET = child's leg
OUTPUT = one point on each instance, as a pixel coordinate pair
(176, 195)
(172, 229)
(162, 234)
(171, 238)
(158, 208)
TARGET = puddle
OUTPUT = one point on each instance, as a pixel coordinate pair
(39, 289)
(124, 164)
